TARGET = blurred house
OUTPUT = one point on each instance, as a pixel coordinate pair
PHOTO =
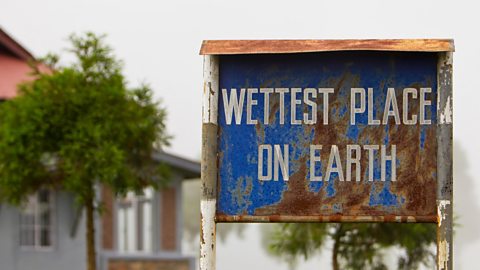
(139, 231)
(14, 66)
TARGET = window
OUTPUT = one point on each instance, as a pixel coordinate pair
(134, 220)
(36, 220)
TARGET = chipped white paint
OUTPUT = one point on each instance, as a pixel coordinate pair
(448, 58)
(439, 93)
(446, 113)
(443, 255)
(208, 237)
(445, 104)
(444, 159)
(210, 89)
(441, 210)
(208, 204)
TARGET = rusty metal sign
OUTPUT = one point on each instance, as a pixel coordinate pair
(328, 135)
(333, 136)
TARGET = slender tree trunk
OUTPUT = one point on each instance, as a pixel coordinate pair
(91, 253)
(336, 245)
(335, 256)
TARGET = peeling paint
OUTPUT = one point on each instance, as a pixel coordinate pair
(443, 255)
(210, 89)
(422, 191)
(445, 160)
(208, 235)
(339, 217)
(441, 210)
(209, 164)
(446, 113)
(444, 101)
(412, 195)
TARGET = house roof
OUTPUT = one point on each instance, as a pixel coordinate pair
(191, 169)
(221, 47)
(14, 69)
(7, 43)
(14, 65)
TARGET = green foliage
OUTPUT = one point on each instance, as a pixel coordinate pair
(79, 125)
(357, 245)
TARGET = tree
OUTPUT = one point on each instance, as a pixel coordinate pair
(79, 126)
(356, 245)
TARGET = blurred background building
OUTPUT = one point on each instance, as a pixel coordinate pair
(138, 231)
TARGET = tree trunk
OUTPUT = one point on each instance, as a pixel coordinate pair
(336, 244)
(91, 253)
(335, 256)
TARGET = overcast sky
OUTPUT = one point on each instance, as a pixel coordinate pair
(159, 42)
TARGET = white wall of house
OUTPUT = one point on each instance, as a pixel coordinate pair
(66, 252)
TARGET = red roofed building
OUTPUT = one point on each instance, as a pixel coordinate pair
(140, 231)
(14, 66)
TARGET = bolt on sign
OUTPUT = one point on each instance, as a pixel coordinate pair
(327, 131)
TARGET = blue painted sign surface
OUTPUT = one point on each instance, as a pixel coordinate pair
(327, 134)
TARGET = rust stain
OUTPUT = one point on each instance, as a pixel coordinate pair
(219, 47)
(328, 218)
(414, 192)
(416, 184)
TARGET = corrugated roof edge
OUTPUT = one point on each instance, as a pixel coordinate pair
(222, 47)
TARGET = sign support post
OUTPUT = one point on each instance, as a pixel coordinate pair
(444, 163)
(209, 163)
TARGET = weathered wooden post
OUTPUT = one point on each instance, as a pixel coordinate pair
(445, 162)
(209, 163)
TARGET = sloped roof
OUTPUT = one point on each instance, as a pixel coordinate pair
(14, 67)
(7, 43)
(191, 169)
